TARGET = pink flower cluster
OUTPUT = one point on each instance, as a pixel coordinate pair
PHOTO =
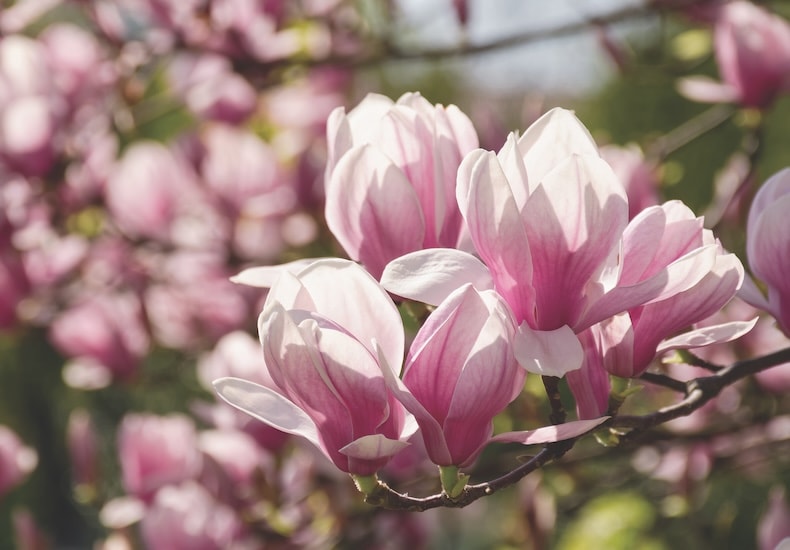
(541, 272)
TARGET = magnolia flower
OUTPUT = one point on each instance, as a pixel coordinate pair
(626, 343)
(773, 528)
(753, 54)
(390, 177)
(659, 236)
(83, 445)
(155, 451)
(16, 460)
(327, 333)
(147, 190)
(211, 89)
(104, 330)
(187, 516)
(461, 371)
(767, 246)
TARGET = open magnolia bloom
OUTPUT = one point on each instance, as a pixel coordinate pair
(317, 330)
(547, 217)
(626, 343)
(390, 177)
(768, 248)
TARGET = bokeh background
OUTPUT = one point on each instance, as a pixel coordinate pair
(150, 149)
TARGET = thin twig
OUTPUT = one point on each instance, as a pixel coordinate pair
(689, 131)
(663, 380)
(378, 53)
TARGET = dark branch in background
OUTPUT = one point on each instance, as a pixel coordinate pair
(386, 50)
(752, 147)
(689, 131)
(664, 381)
(697, 391)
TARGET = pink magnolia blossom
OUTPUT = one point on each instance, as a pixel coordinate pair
(773, 529)
(83, 446)
(31, 106)
(390, 177)
(155, 451)
(211, 89)
(16, 460)
(768, 248)
(193, 303)
(188, 517)
(626, 343)
(658, 237)
(321, 330)
(107, 329)
(251, 187)
(753, 54)
(144, 191)
(235, 452)
(545, 215)
(79, 67)
(154, 193)
(461, 371)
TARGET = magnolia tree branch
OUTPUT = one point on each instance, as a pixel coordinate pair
(697, 392)
(552, 385)
(386, 50)
(689, 131)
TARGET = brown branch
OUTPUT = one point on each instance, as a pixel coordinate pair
(385, 50)
(696, 361)
(386, 497)
(698, 392)
(664, 381)
(552, 385)
(689, 131)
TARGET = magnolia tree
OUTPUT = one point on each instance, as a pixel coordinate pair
(444, 310)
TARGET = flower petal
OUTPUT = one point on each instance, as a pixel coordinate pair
(430, 428)
(550, 434)
(372, 447)
(679, 276)
(266, 275)
(430, 275)
(551, 139)
(267, 406)
(576, 218)
(497, 229)
(345, 293)
(707, 90)
(548, 353)
(705, 336)
(372, 208)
